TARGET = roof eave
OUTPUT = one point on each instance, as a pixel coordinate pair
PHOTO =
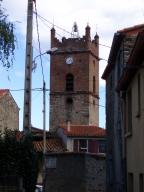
(134, 63)
(86, 136)
(117, 40)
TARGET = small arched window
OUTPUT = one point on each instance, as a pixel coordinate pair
(69, 82)
(69, 101)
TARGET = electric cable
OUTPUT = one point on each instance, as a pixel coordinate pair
(53, 24)
(48, 90)
(80, 101)
(34, 89)
(42, 18)
(40, 52)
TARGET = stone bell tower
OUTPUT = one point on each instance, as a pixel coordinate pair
(74, 80)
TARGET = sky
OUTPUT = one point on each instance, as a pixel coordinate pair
(104, 17)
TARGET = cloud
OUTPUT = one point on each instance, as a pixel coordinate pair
(104, 17)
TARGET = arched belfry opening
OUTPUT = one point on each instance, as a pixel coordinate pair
(69, 82)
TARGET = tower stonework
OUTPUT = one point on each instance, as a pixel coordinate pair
(74, 80)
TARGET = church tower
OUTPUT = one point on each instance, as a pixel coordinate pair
(74, 80)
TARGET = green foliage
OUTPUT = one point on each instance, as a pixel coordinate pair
(7, 39)
(18, 157)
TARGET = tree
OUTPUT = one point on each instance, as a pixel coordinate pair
(18, 157)
(7, 39)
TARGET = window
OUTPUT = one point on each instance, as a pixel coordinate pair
(141, 183)
(92, 146)
(69, 82)
(129, 111)
(130, 182)
(94, 84)
(51, 162)
(102, 147)
(83, 145)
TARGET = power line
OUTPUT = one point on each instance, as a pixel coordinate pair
(40, 52)
(104, 45)
(80, 100)
(35, 89)
(42, 18)
(53, 24)
(43, 21)
(41, 89)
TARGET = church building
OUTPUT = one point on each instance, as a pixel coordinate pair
(74, 80)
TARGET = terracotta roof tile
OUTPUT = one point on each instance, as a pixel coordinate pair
(52, 145)
(3, 92)
(84, 131)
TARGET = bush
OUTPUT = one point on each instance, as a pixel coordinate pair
(18, 157)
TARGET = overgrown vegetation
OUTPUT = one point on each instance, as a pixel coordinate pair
(7, 39)
(18, 157)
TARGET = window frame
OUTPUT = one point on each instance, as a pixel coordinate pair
(83, 149)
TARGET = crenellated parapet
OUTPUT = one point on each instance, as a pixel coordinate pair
(76, 44)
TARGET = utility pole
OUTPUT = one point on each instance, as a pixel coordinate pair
(44, 118)
(28, 70)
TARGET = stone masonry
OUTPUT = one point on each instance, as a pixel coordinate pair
(74, 172)
(84, 98)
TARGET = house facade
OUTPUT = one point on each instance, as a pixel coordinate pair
(122, 46)
(132, 84)
(9, 111)
(83, 138)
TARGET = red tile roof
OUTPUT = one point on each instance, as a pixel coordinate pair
(84, 131)
(3, 92)
(52, 145)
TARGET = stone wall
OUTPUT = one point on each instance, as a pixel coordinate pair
(74, 172)
(9, 113)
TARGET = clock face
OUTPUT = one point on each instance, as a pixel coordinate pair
(69, 60)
